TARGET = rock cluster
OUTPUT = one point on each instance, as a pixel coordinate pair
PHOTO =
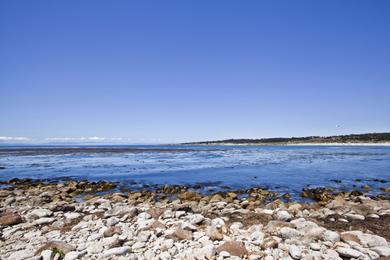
(50, 222)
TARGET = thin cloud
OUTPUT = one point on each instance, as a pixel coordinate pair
(14, 139)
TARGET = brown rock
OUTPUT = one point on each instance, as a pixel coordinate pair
(181, 234)
(235, 248)
(157, 224)
(269, 242)
(216, 198)
(156, 212)
(189, 195)
(109, 232)
(214, 233)
(9, 219)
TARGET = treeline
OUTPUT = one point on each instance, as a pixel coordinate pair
(352, 138)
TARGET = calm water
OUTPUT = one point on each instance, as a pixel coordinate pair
(280, 168)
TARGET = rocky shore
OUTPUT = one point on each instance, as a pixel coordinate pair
(88, 220)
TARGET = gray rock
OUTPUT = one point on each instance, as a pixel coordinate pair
(331, 236)
(116, 251)
(382, 250)
(196, 219)
(287, 233)
(46, 254)
(282, 215)
(349, 252)
(295, 252)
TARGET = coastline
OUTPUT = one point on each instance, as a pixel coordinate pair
(93, 220)
(292, 144)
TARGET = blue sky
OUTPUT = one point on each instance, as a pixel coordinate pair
(163, 71)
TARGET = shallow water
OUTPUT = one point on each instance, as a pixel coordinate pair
(280, 168)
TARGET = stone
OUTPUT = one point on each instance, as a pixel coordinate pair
(10, 219)
(355, 216)
(73, 255)
(331, 236)
(382, 250)
(95, 248)
(366, 240)
(288, 233)
(269, 242)
(72, 215)
(165, 256)
(116, 251)
(138, 245)
(46, 254)
(181, 234)
(143, 236)
(43, 221)
(109, 232)
(348, 252)
(40, 213)
(282, 215)
(234, 248)
(295, 252)
(196, 219)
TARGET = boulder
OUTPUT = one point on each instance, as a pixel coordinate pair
(234, 248)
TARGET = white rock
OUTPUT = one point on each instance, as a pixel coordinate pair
(205, 252)
(348, 252)
(95, 248)
(46, 254)
(116, 251)
(331, 236)
(143, 236)
(224, 254)
(382, 250)
(138, 245)
(282, 215)
(287, 233)
(179, 213)
(40, 213)
(295, 252)
(165, 256)
(72, 215)
(42, 221)
(73, 255)
(366, 240)
(355, 216)
(196, 219)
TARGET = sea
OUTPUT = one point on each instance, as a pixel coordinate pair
(283, 169)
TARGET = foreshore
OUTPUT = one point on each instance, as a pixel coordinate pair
(93, 220)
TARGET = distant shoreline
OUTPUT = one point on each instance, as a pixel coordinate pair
(293, 144)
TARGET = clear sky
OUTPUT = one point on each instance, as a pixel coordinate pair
(163, 71)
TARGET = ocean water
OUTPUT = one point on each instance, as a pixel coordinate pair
(279, 168)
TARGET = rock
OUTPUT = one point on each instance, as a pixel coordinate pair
(39, 213)
(181, 234)
(165, 256)
(143, 236)
(59, 245)
(196, 219)
(355, 216)
(206, 252)
(382, 250)
(216, 198)
(269, 242)
(43, 221)
(348, 252)
(234, 248)
(331, 236)
(95, 248)
(282, 215)
(116, 251)
(214, 233)
(73, 255)
(109, 232)
(10, 219)
(138, 245)
(46, 254)
(295, 252)
(72, 215)
(287, 233)
(366, 240)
